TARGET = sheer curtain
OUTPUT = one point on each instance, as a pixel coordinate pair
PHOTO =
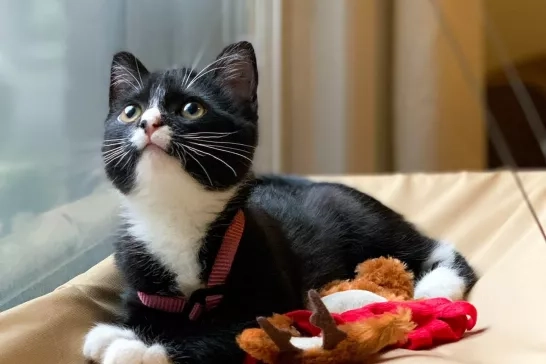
(57, 213)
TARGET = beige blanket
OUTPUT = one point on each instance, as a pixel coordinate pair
(483, 214)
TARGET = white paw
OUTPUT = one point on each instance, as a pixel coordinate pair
(125, 351)
(440, 282)
(101, 337)
(109, 344)
(156, 354)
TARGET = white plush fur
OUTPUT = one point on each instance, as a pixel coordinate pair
(109, 344)
(349, 300)
(306, 343)
(170, 211)
(444, 280)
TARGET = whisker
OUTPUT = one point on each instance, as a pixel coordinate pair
(186, 77)
(116, 149)
(119, 144)
(223, 147)
(204, 170)
(138, 70)
(119, 80)
(211, 136)
(185, 81)
(225, 151)
(127, 71)
(113, 144)
(110, 158)
(211, 64)
(113, 151)
(215, 157)
(222, 143)
(207, 41)
(198, 152)
(113, 140)
(128, 161)
(192, 69)
(212, 132)
(183, 156)
(198, 77)
(122, 158)
(201, 137)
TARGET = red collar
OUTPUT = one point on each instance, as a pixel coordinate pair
(218, 275)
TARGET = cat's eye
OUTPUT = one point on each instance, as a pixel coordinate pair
(130, 114)
(193, 110)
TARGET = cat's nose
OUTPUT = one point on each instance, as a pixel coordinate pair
(150, 121)
(150, 126)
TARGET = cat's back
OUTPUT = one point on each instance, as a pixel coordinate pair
(327, 224)
(296, 200)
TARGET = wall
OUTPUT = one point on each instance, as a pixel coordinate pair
(520, 25)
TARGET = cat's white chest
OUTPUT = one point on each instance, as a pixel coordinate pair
(175, 241)
(170, 212)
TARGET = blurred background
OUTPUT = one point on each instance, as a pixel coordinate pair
(346, 86)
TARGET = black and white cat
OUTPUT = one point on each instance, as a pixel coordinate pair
(178, 146)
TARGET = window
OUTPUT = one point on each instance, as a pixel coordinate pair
(57, 212)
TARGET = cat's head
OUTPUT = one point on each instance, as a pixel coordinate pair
(204, 121)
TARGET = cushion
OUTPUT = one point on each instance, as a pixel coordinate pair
(483, 214)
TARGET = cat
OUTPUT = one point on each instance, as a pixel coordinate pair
(178, 146)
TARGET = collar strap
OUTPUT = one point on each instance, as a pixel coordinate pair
(218, 275)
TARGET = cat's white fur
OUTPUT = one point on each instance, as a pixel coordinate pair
(109, 344)
(170, 211)
(444, 280)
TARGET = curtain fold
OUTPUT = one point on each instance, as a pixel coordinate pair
(333, 71)
(438, 118)
(375, 86)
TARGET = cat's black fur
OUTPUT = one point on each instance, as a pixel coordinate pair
(298, 234)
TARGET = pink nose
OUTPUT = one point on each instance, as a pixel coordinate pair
(151, 126)
(151, 121)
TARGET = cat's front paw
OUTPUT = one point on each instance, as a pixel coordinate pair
(125, 351)
(109, 344)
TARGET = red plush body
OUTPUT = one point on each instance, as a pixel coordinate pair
(438, 321)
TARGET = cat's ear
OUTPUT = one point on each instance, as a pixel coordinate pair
(126, 74)
(236, 70)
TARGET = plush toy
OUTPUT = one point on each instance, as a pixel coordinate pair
(356, 319)
(386, 277)
(376, 280)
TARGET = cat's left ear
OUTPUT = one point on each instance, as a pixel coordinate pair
(126, 75)
(237, 71)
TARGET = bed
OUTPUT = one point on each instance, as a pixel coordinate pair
(482, 213)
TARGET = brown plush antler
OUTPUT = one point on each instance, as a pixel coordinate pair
(280, 337)
(321, 318)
